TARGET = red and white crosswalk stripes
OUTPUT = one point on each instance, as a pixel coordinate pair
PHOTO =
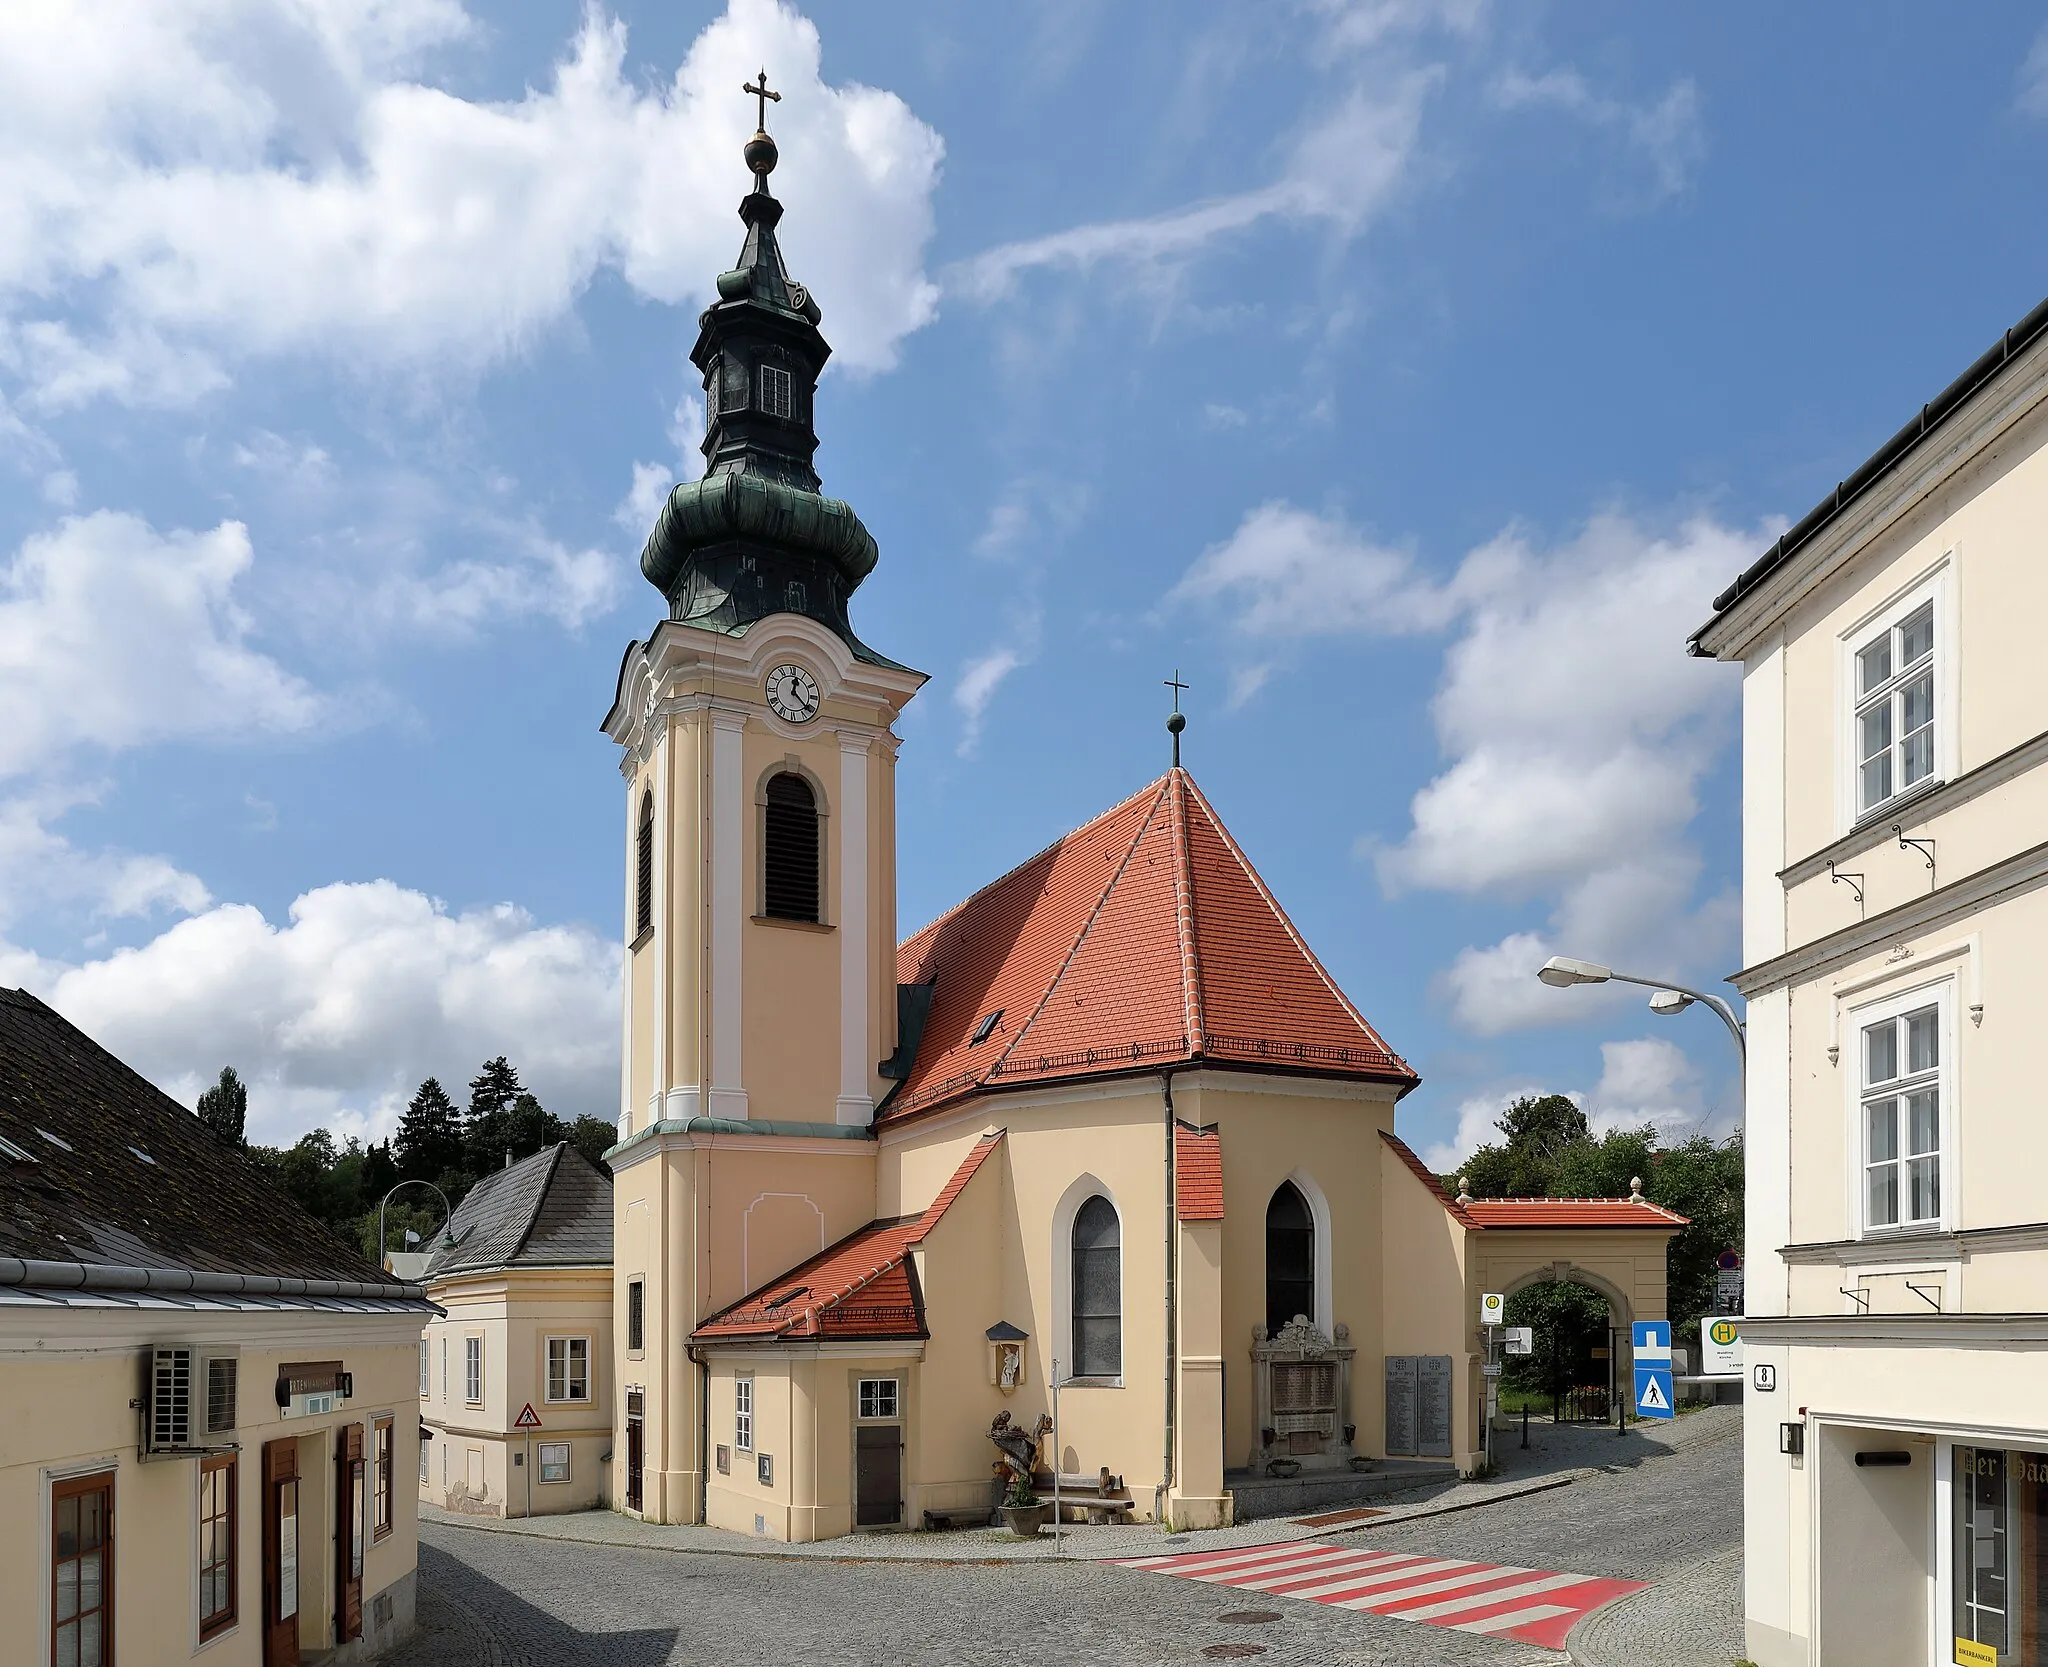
(1535, 1606)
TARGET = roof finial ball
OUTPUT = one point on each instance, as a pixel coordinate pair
(760, 151)
(1178, 722)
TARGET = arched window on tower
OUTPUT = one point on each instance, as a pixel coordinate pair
(1098, 1292)
(1290, 1258)
(643, 870)
(790, 850)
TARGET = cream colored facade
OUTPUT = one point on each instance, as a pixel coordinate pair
(1908, 1328)
(69, 1378)
(479, 1458)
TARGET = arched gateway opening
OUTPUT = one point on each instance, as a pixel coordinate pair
(1579, 1329)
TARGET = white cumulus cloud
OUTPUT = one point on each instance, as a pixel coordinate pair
(183, 187)
(337, 1014)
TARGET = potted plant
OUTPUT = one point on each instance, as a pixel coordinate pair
(1023, 1511)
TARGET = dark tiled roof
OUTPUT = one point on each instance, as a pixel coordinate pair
(553, 1209)
(190, 1203)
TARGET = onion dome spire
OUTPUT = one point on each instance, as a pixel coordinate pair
(755, 536)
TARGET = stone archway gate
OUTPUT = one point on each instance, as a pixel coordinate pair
(1617, 1247)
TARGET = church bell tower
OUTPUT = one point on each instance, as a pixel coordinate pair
(757, 743)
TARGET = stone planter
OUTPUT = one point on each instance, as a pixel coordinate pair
(1026, 1520)
(1283, 1468)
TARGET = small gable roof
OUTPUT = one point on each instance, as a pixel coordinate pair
(553, 1209)
(1143, 938)
(1572, 1212)
(1198, 1173)
(100, 1168)
(861, 1287)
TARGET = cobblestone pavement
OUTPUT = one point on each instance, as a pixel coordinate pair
(503, 1600)
(1667, 1509)
(1663, 1505)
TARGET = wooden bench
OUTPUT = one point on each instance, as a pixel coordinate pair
(1099, 1498)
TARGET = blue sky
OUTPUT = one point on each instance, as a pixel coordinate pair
(1408, 375)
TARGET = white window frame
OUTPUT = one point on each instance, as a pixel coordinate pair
(541, 1461)
(548, 1394)
(1888, 1010)
(743, 1413)
(446, 1391)
(1930, 590)
(473, 1369)
(426, 1453)
(862, 1400)
(426, 1370)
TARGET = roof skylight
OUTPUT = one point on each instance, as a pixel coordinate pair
(986, 1029)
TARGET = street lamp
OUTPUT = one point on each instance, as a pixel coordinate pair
(447, 1214)
(1561, 972)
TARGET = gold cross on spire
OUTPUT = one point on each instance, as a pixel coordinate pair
(759, 88)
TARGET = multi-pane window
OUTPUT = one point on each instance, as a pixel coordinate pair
(444, 1371)
(82, 1588)
(878, 1397)
(473, 1370)
(382, 1482)
(426, 1450)
(216, 1544)
(554, 1461)
(1895, 710)
(1290, 1258)
(743, 1414)
(426, 1369)
(775, 391)
(1098, 1291)
(1901, 1107)
(568, 1369)
(636, 1314)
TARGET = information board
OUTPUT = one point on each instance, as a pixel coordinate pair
(1434, 1382)
(1401, 1390)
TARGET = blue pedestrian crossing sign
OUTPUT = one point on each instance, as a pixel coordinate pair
(1652, 1345)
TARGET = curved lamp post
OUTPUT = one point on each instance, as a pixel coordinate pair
(447, 1214)
(1562, 972)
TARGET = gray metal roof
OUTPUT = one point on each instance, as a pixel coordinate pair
(553, 1209)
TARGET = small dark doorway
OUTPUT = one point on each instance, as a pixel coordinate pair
(636, 1446)
(878, 1475)
(1290, 1258)
(351, 1503)
(281, 1553)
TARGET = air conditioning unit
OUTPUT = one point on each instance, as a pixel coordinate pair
(190, 1400)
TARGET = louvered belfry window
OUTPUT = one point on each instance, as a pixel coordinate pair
(643, 882)
(791, 889)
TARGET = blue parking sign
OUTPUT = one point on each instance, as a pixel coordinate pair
(1651, 1340)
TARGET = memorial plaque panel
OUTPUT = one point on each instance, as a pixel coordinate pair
(1401, 1428)
(1433, 1399)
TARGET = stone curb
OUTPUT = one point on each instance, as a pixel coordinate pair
(1276, 1531)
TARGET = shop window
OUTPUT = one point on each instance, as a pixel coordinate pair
(2000, 1568)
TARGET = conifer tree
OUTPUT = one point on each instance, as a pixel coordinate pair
(224, 1108)
(485, 1135)
(429, 1139)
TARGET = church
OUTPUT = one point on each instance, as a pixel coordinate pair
(1108, 1127)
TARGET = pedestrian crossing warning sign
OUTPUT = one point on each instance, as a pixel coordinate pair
(528, 1419)
(1651, 1398)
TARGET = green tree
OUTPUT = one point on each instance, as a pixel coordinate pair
(484, 1134)
(224, 1108)
(528, 1128)
(593, 1137)
(1539, 1128)
(429, 1140)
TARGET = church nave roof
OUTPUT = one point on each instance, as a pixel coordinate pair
(1143, 938)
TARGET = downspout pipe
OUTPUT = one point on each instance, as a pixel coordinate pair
(703, 1365)
(1172, 1314)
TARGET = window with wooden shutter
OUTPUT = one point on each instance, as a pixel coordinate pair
(643, 883)
(790, 850)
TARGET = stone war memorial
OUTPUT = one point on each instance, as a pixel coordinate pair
(1108, 1122)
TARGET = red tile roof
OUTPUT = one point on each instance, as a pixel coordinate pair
(1143, 938)
(1198, 1173)
(1426, 1176)
(1572, 1212)
(862, 1287)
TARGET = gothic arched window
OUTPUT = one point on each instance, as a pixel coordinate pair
(1098, 1291)
(643, 868)
(790, 850)
(1290, 1258)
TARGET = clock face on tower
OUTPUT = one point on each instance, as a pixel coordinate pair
(792, 694)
